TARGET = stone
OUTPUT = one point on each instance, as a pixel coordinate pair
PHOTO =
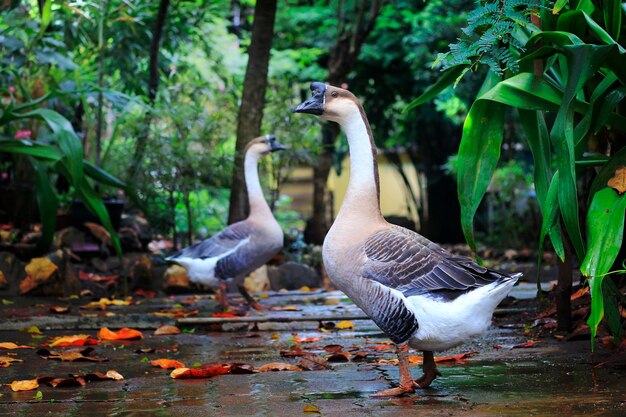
(258, 280)
(292, 276)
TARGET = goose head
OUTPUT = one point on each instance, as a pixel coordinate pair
(330, 103)
(264, 145)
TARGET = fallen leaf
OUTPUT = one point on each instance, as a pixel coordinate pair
(618, 181)
(528, 344)
(241, 368)
(344, 324)
(38, 271)
(38, 396)
(145, 350)
(122, 334)
(333, 348)
(99, 232)
(293, 352)
(359, 357)
(59, 309)
(145, 293)
(307, 339)
(176, 313)
(6, 361)
(312, 362)
(31, 330)
(104, 302)
(279, 366)
(99, 376)
(166, 329)
(339, 357)
(284, 308)
(202, 372)
(224, 315)
(311, 409)
(71, 355)
(167, 364)
(74, 340)
(114, 375)
(11, 345)
(66, 382)
(24, 385)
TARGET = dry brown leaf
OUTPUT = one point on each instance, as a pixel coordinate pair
(279, 366)
(166, 329)
(333, 348)
(70, 355)
(618, 181)
(24, 385)
(167, 363)
(11, 345)
(99, 233)
(339, 357)
(314, 362)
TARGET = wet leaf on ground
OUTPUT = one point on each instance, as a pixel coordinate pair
(71, 355)
(122, 334)
(167, 363)
(312, 362)
(166, 329)
(11, 345)
(205, 371)
(24, 385)
(73, 340)
(6, 361)
(279, 366)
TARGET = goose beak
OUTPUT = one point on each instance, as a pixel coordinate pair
(315, 104)
(275, 146)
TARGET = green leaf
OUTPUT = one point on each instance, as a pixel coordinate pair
(46, 15)
(73, 150)
(558, 5)
(613, 17)
(612, 297)
(56, 122)
(478, 157)
(447, 78)
(605, 229)
(47, 202)
(47, 152)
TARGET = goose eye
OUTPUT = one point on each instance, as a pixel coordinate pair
(334, 94)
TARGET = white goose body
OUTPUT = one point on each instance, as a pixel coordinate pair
(414, 290)
(241, 247)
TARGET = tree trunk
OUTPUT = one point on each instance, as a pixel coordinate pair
(153, 85)
(252, 101)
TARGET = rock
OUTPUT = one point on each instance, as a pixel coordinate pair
(258, 280)
(12, 269)
(175, 279)
(65, 238)
(292, 276)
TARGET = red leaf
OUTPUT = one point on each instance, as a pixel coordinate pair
(122, 334)
(167, 363)
(202, 372)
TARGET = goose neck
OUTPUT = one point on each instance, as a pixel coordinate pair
(258, 205)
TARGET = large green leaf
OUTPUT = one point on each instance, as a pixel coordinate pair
(605, 229)
(613, 17)
(582, 63)
(448, 78)
(478, 157)
(47, 202)
(37, 150)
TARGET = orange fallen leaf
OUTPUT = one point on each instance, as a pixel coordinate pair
(6, 361)
(167, 363)
(176, 313)
(24, 385)
(293, 352)
(202, 372)
(224, 315)
(74, 340)
(581, 292)
(59, 309)
(166, 329)
(279, 366)
(38, 271)
(104, 302)
(284, 308)
(618, 181)
(528, 344)
(307, 339)
(122, 334)
(310, 409)
(11, 345)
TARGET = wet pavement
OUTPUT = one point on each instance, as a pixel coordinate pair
(550, 378)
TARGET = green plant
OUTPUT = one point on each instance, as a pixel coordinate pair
(571, 80)
(63, 154)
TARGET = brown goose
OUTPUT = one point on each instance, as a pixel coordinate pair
(419, 294)
(244, 246)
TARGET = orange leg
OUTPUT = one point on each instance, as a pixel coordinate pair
(407, 385)
(430, 370)
(250, 300)
(222, 295)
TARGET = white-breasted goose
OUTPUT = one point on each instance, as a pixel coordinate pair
(241, 247)
(419, 294)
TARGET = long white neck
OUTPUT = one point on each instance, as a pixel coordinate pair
(258, 205)
(362, 197)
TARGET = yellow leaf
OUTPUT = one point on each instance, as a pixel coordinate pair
(31, 330)
(24, 385)
(11, 345)
(311, 409)
(344, 324)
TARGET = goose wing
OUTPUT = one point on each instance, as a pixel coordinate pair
(403, 260)
(219, 244)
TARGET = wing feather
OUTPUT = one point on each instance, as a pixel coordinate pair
(223, 242)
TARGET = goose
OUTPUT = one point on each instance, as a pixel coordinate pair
(419, 294)
(241, 247)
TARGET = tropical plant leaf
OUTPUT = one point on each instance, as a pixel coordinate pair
(613, 17)
(605, 229)
(479, 153)
(37, 150)
(47, 202)
(607, 172)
